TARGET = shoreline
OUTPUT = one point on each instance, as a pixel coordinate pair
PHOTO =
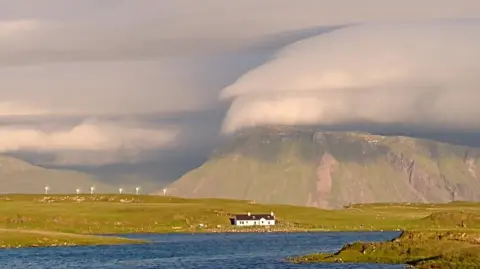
(62, 239)
(416, 249)
(119, 239)
(259, 230)
(21, 238)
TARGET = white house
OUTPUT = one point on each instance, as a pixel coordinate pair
(253, 219)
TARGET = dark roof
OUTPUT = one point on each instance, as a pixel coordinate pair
(254, 217)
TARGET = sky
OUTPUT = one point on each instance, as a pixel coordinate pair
(112, 82)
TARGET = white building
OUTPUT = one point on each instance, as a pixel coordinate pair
(253, 219)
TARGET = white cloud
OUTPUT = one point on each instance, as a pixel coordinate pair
(90, 135)
(94, 58)
(424, 72)
(18, 27)
(13, 109)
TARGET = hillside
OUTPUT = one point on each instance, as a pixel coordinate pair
(332, 169)
(17, 176)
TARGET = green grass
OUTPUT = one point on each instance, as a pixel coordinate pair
(422, 249)
(118, 214)
(437, 236)
(14, 238)
(125, 214)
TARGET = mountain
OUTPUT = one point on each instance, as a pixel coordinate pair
(18, 176)
(301, 166)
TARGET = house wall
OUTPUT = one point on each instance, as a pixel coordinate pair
(260, 222)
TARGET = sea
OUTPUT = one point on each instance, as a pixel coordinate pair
(196, 251)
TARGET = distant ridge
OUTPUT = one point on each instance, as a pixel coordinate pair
(303, 166)
(18, 176)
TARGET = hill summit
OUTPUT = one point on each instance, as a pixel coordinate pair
(324, 169)
(18, 176)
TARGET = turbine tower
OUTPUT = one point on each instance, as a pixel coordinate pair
(77, 190)
(137, 190)
(92, 190)
(164, 192)
(46, 189)
(120, 190)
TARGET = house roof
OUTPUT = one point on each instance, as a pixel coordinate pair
(254, 217)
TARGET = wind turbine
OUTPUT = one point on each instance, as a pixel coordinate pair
(120, 190)
(137, 190)
(46, 189)
(164, 192)
(92, 190)
(77, 190)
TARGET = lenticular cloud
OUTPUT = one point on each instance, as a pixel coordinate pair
(410, 72)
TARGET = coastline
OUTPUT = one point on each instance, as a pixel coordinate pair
(103, 219)
(20, 238)
(40, 238)
(417, 249)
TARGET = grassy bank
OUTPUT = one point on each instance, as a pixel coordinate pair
(122, 214)
(15, 238)
(118, 214)
(53, 220)
(448, 239)
(421, 249)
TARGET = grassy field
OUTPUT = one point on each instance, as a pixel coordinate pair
(16, 238)
(117, 214)
(425, 250)
(38, 220)
(434, 236)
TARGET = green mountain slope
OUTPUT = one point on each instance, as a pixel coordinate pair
(333, 169)
(17, 176)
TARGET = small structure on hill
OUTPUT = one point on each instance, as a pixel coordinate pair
(253, 219)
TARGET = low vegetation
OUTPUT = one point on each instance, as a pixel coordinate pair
(16, 238)
(422, 249)
(443, 239)
(123, 214)
(438, 233)
(55, 220)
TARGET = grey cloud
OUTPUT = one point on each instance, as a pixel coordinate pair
(423, 72)
(91, 135)
(75, 60)
(145, 29)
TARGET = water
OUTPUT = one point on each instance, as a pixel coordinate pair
(199, 251)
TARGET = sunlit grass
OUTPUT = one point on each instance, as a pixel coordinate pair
(125, 214)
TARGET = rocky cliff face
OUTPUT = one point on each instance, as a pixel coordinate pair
(333, 169)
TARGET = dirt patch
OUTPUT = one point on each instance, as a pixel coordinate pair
(472, 167)
(457, 219)
(323, 185)
(46, 233)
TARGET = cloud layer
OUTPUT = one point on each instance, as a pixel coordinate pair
(412, 72)
(141, 61)
(89, 135)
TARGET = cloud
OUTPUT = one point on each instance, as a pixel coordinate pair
(90, 135)
(119, 59)
(12, 109)
(17, 27)
(411, 72)
(118, 30)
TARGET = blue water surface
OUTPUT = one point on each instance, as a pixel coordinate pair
(195, 251)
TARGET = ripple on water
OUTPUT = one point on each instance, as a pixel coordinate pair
(199, 251)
